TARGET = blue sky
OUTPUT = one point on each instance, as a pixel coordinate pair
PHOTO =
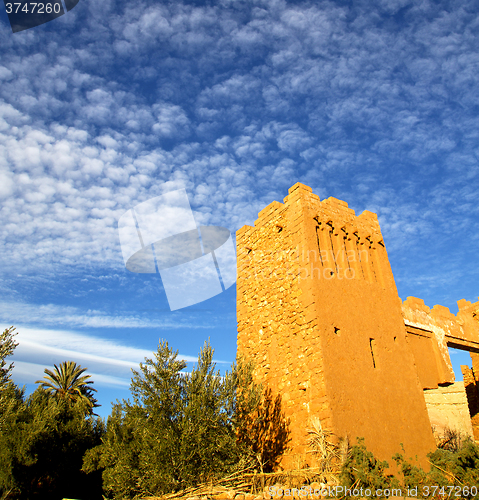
(373, 102)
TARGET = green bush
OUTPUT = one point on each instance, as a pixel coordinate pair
(449, 468)
(178, 430)
(460, 467)
(363, 470)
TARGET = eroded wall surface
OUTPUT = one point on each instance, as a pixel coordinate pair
(430, 332)
(319, 314)
(427, 331)
(471, 383)
(442, 329)
(448, 409)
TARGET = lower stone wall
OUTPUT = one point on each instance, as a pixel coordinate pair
(472, 392)
(448, 408)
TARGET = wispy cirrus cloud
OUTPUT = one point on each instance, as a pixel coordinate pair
(28, 373)
(56, 315)
(109, 361)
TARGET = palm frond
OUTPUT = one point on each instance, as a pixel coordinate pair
(323, 446)
(67, 381)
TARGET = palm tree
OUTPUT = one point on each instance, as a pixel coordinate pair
(68, 383)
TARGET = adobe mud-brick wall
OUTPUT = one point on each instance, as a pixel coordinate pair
(426, 332)
(448, 409)
(471, 383)
(472, 392)
(430, 332)
(319, 314)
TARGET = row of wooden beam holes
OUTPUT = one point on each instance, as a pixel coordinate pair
(371, 269)
(365, 269)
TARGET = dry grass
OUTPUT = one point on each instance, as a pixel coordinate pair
(328, 454)
(248, 482)
(450, 439)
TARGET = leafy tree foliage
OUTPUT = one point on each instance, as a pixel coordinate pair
(42, 448)
(67, 382)
(7, 346)
(43, 439)
(10, 395)
(179, 430)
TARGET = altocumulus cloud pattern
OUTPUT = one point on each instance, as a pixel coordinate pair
(161, 235)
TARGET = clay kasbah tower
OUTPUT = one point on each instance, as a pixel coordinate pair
(320, 316)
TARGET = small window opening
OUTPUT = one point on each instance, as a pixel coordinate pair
(373, 347)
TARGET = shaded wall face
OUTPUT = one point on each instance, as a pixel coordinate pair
(471, 383)
(318, 312)
(430, 332)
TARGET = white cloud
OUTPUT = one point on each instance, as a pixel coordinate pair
(55, 315)
(28, 373)
(109, 361)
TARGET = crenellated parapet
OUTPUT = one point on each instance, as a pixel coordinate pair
(432, 331)
(468, 320)
(427, 330)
